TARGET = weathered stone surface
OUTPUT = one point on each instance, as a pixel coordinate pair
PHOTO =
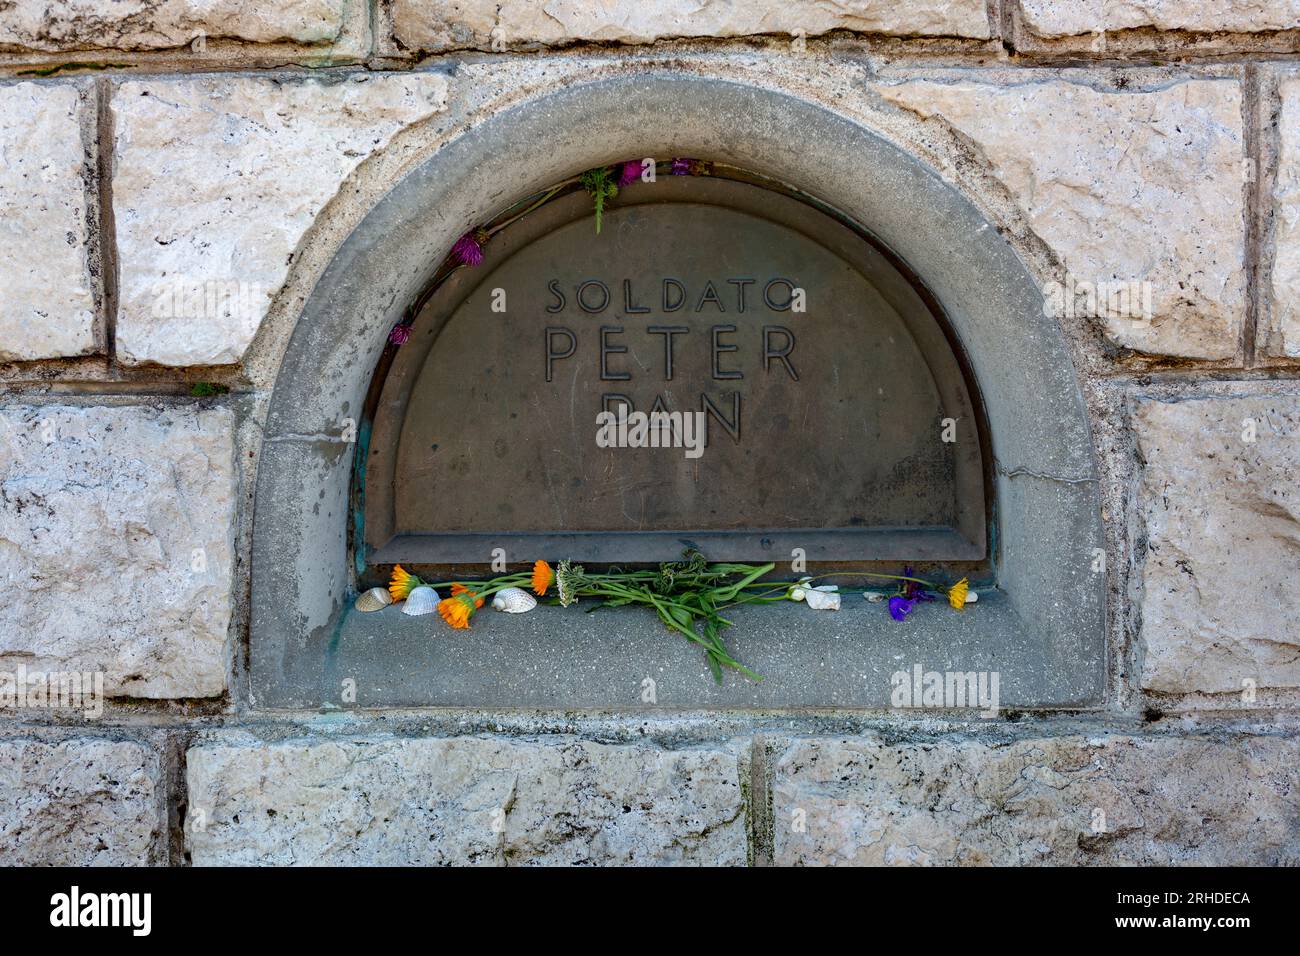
(1112, 800)
(430, 25)
(116, 544)
(59, 25)
(47, 309)
(1058, 18)
(463, 800)
(1222, 519)
(1141, 186)
(1282, 338)
(216, 179)
(79, 802)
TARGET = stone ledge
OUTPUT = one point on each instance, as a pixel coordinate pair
(430, 26)
(464, 800)
(1110, 800)
(79, 802)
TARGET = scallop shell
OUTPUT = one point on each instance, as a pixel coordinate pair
(514, 601)
(421, 600)
(376, 599)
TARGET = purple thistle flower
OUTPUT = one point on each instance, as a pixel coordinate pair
(900, 607)
(629, 173)
(468, 248)
(400, 334)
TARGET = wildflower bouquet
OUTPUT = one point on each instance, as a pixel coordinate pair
(688, 595)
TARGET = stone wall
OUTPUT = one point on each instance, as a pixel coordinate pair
(154, 155)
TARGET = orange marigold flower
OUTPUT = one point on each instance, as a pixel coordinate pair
(543, 577)
(458, 588)
(402, 584)
(456, 610)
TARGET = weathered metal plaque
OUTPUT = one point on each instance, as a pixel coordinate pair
(811, 398)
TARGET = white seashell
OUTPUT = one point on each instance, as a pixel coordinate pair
(820, 600)
(376, 599)
(421, 600)
(875, 597)
(971, 597)
(514, 601)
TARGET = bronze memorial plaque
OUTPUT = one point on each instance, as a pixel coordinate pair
(820, 403)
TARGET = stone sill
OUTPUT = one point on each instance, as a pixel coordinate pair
(572, 660)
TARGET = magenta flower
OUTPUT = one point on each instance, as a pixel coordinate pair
(900, 607)
(400, 334)
(469, 248)
(629, 173)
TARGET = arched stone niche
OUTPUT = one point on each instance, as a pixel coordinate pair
(1042, 629)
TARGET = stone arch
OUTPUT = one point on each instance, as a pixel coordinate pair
(1047, 521)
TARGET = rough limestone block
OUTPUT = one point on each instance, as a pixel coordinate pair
(1112, 800)
(47, 308)
(1282, 338)
(216, 180)
(432, 25)
(1132, 186)
(79, 802)
(1222, 520)
(464, 800)
(1061, 18)
(116, 544)
(55, 26)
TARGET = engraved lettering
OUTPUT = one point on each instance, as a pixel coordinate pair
(606, 350)
(560, 301)
(778, 306)
(628, 307)
(710, 294)
(731, 425)
(740, 292)
(551, 353)
(719, 348)
(582, 297)
(668, 331)
(782, 354)
(671, 306)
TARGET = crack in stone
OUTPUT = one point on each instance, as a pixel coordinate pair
(1018, 471)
